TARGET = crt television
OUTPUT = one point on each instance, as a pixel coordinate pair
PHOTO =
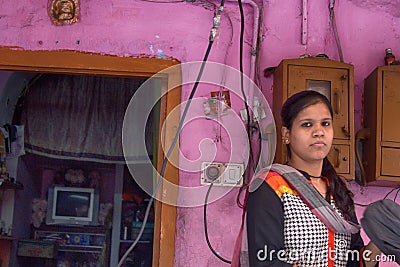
(72, 206)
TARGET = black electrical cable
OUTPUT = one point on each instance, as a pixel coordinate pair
(205, 227)
(333, 21)
(250, 162)
(164, 164)
(366, 205)
(258, 46)
(395, 196)
(248, 128)
(241, 64)
(398, 188)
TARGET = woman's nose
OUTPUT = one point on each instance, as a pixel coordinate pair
(318, 131)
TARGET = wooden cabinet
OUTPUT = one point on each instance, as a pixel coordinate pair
(5, 248)
(333, 79)
(6, 241)
(381, 150)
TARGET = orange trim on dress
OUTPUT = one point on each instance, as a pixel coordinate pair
(279, 184)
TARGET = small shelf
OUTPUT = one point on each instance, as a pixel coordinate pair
(140, 241)
(86, 240)
(6, 184)
(81, 249)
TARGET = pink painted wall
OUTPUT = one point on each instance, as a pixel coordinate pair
(367, 195)
(181, 31)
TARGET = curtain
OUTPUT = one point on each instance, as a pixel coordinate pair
(78, 117)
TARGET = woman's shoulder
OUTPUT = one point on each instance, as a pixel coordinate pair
(277, 182)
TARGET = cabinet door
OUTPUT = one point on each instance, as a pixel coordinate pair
(390, 106)
(390, 161)
(333, 83)
(339, 156)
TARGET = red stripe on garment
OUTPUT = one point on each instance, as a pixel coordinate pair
(361, 257)
(331, 248)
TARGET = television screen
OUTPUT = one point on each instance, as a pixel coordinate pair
(72, 205)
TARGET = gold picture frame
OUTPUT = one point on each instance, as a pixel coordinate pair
(64, 12)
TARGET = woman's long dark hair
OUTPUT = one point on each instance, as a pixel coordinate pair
(337, 186)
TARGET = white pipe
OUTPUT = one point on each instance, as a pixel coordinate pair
(256, 15)
(304, 31)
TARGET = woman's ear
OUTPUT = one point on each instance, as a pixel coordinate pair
(285, 135)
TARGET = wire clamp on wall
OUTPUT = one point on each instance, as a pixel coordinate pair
(216, 22)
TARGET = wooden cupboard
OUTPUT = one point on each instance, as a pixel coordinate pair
(333, 79)
(5, 248)
(6, 241)
(381, 149)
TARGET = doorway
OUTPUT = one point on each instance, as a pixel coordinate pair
(72, 62)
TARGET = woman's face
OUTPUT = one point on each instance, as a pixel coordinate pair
(310, 138)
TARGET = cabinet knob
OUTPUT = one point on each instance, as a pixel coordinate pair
(345, 131)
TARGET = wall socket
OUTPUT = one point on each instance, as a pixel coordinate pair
(222, 174)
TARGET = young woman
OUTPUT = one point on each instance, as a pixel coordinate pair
(283, 226)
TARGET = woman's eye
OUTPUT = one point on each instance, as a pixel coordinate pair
(326, 123)
(306, 124)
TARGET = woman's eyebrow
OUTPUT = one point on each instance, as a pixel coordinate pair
(309, 119)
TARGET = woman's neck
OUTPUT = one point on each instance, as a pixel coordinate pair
(314, 169)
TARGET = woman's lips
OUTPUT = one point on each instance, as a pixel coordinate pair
(318, 144)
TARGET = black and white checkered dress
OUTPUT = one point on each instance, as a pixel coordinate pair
(283, 231)
(306, 238)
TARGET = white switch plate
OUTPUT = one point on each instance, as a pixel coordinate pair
(222, 174)
(233, 174)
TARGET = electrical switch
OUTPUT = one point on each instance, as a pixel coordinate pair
(228, 174)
